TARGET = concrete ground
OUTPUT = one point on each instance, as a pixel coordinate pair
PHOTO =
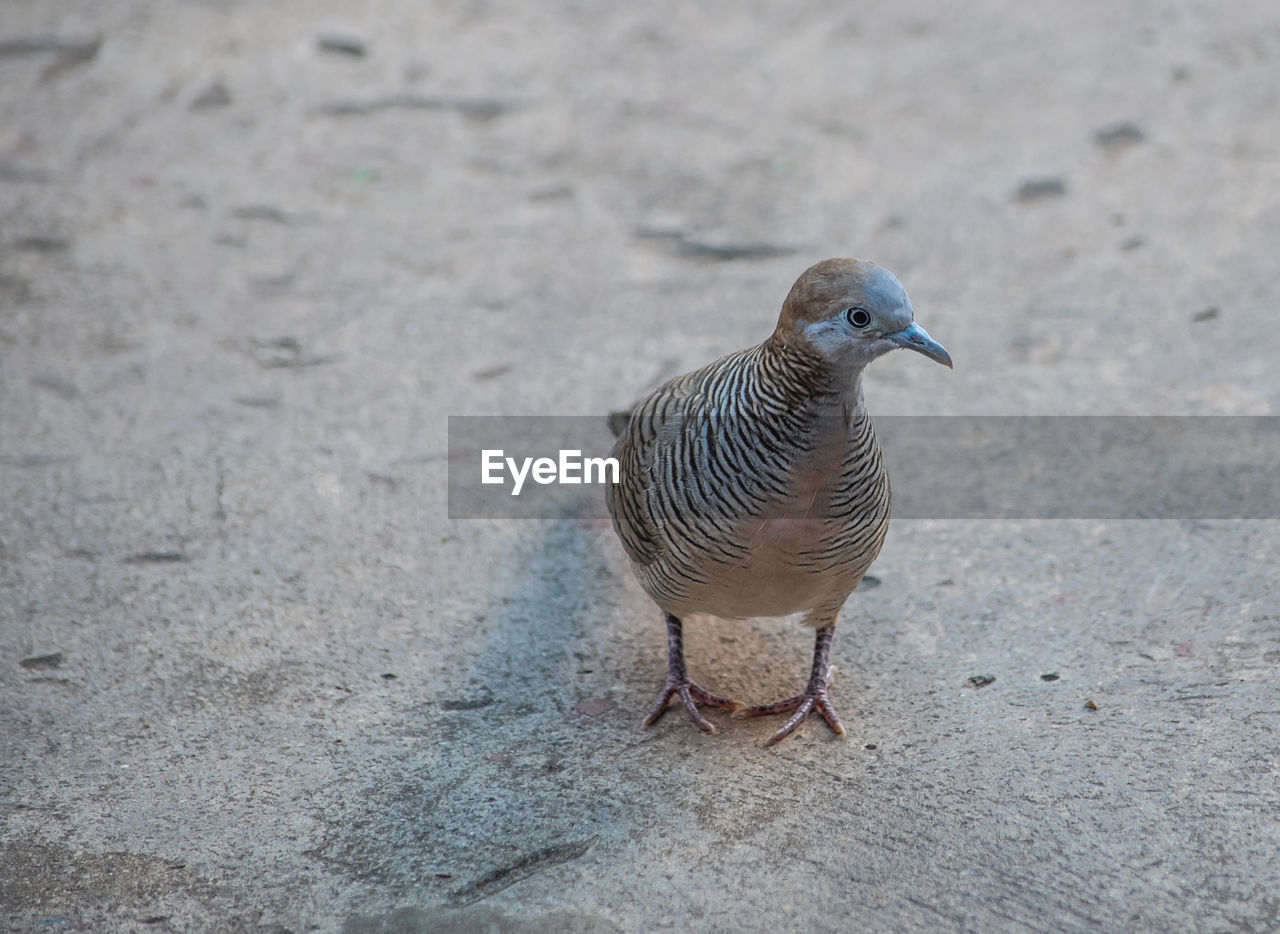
(253, 678)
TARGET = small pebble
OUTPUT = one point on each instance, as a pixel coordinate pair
(42, 244)
(214, 96)
(1091, 704)
(981, 681)
(594, 708)
(1119, 135)
(1050, 676)
(340, 43)
(1038, 189)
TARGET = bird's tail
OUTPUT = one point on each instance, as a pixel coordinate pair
(619, 420)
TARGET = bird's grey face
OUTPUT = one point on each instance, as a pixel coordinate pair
(867, 314)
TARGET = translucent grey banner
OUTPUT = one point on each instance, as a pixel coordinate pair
(962, 467)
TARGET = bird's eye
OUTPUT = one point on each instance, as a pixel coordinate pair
(858, 317)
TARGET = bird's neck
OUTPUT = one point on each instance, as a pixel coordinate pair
(809, 379)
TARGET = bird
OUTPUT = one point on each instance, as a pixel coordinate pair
(755, 487)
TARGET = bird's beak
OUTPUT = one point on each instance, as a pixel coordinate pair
(916, 338)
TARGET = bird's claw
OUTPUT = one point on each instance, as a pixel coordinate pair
(690, 697)
(814, 698)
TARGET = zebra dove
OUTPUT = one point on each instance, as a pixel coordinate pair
(755, 487)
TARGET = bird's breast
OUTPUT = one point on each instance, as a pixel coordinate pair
(759, 524)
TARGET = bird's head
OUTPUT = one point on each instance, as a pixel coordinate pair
(851, 312)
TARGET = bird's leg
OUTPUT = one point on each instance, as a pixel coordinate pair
(678, 683)
(814, 696)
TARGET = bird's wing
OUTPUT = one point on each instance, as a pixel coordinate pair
(651, 422)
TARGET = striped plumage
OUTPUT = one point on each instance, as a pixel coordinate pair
(751, 487)
(754, 486)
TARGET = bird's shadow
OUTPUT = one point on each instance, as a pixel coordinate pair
(576, 646)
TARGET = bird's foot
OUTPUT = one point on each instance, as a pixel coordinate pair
(814, 697)
(690, 696)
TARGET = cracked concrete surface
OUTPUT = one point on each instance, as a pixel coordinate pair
(252, 676)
